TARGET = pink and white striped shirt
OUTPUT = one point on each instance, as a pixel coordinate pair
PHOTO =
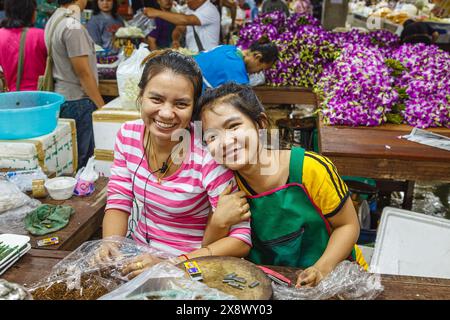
(175, 212)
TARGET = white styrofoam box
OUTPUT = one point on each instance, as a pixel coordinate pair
(54, 152)
(103, 167)
(412, 244)
(103, 161)
(107, 122)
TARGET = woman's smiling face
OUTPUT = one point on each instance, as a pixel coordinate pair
(231, 136)
(167, 104)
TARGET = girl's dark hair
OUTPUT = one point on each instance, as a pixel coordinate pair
(239, 96)
(180, 64)
(267, 48)
(96, 8)
(19, 13)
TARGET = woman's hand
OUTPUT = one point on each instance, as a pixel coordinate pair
(311, 276)
(232, 209)
(139, 264)
(106, 253)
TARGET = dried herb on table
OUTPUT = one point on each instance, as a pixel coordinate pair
(90, 289)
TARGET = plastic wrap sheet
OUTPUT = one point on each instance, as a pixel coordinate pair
(82, 275)
(347, 281)
(165, 281)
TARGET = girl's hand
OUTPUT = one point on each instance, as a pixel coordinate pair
(139, 264)
(311, 276)
(232, 209)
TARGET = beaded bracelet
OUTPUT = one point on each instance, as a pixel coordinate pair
(184, 256)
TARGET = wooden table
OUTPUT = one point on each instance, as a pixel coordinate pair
(36, 264)
(267, 94)
(379, 153)
(83, 224)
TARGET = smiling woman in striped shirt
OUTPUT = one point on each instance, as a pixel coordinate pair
(175, 181)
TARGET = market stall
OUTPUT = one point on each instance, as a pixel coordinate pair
(395, 287)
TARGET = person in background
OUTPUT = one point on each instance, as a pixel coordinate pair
(302, 6)
(201, 24)
(256, 9)
(75, 71)
(104, 23)
(275, 5)
(301, 211)
(161, 36)
(418, 32)
(229, 63)
(20, 17)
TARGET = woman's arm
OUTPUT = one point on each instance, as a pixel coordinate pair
(152, 43)
(176, 36)
(345, 233)
(227, 246)
(115, 223)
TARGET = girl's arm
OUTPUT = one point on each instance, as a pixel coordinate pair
(345, 233)
(232, 209)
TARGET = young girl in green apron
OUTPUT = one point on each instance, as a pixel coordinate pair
(301, 213)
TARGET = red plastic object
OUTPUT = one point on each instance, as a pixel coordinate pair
(275, 276)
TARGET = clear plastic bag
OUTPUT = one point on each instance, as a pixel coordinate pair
(82, 276)
(11, 221)
(24, 179)
(10, 196)
(348, 281)
(141, 21)
(165, 281)
(13, 291)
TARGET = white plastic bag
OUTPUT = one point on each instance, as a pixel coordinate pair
(11, 197)
(129, 74)
(86, 177)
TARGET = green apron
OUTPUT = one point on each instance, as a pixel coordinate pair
(287, 228)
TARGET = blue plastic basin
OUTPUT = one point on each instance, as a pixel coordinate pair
(28, 114)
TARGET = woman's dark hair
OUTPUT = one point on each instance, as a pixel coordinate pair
(180, 64)
(19, 13)
(239, 96)
(96, 8)
(268, 50)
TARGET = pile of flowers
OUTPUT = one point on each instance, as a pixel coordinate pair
(424, 82)
(357, 89)
(305, 48)
(362, 78)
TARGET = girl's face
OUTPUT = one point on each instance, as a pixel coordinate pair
(167, 104)
(105, 5)
(231, 136)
